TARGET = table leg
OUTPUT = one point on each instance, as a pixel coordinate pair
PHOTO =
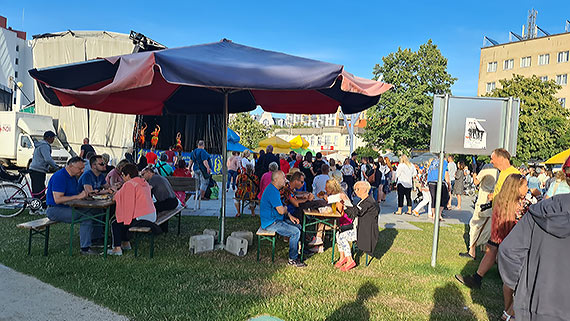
(303, 233)
(71, 232)
(333, 240)
(106, 237)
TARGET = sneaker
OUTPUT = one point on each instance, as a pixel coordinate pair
(296, 263)
(469, 281)
(126, 247)
(111, 252)
(467, 255)
(315, 241)
(89, 251)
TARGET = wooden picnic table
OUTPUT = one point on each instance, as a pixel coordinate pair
(324, 218)
(90, 203)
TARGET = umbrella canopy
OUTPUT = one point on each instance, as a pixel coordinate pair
(299, 142)
(559, 158)
(233, 142)
(302, 151)
(222, 77)
(195, 79)
(279, 145)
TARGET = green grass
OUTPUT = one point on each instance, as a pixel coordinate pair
(175, 285)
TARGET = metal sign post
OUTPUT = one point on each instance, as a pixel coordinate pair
(439, 187)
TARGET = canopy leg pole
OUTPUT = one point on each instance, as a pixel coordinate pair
(439, 186)
(224, 169)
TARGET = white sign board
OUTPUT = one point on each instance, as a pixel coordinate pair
(475, 134)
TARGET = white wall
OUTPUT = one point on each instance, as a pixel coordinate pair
(8, 66)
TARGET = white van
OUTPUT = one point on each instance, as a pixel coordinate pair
(19, 131)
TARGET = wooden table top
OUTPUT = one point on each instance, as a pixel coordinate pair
(91, 203)
(327, 214)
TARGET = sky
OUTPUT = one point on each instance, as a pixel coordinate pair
(354, 34)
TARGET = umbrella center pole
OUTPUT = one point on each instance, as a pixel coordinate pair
(224, 169)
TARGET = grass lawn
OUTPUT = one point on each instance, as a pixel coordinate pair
(398, 285)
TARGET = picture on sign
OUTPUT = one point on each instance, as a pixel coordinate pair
(475, 134)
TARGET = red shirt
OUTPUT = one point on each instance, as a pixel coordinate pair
(151, 158)
(170, 154)
(284, 166)
(182, 172)
(296, 165)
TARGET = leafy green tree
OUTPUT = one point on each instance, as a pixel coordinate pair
(402, 118)
(543, 123)
(250, 131)
(366, 152)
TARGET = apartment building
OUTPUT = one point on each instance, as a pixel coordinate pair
(546, 57)
(321, 120)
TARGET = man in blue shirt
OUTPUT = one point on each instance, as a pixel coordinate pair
(432, 176)
(200, 163)
(62, 188)
(272, 217)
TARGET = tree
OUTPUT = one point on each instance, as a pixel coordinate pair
(543, 122)
(402, 118)
(366, 152)
(250, 131)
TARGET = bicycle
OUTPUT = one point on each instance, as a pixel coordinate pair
(13, 196)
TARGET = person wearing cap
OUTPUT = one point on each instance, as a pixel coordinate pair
(41, 162)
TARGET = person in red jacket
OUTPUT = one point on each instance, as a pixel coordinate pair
(284, 164)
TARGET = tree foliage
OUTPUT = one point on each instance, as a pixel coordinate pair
(543, 123)
(402, 118)
(366, 152)
(250, 131)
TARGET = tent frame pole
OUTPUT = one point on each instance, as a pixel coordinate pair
(224, 168)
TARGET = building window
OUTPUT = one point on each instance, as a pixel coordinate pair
(563, 56)
(490, 86)
(544, 59)
(17, 61)
(346, 140)
(17, 48)
(509, 64)
(562, 102)
(15, 74)
(525, 62)
(562, 79)
(327, 140)
(492, 66)
(544, 78)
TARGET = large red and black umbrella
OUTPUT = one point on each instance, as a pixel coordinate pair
(222, 77)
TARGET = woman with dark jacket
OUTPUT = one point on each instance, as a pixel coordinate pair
(306, 168)
(366, 228)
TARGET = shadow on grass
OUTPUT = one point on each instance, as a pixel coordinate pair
(386, 238)
(449, 304)
(356, 310)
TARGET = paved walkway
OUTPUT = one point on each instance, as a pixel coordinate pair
(26, 298)
(386, 219)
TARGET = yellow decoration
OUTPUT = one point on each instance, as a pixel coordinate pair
(559, 158)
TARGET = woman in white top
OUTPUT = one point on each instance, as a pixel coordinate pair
(404, 176)
(245, 160)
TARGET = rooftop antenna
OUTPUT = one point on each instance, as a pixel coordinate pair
(541, 30)
(512, 34)
(567, 27)
(531, 24)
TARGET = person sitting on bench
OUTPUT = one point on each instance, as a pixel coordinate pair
(134, 208)
(162, 191)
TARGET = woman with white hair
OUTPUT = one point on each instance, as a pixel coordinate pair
(404, 177)
(283, 163)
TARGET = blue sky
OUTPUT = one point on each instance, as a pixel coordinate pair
(356, 35)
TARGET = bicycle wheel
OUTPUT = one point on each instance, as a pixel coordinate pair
(12, 200)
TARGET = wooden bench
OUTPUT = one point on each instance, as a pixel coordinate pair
(36, 227)
(244, 203)
(189, 185)
(161, 218)
(269, 236)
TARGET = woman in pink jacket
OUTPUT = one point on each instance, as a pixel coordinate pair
(134, 208)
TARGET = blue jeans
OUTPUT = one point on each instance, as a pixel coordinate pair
(63, 214)
(232, 176)
(290, 230)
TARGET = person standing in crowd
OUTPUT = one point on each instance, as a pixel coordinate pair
(162, 191)
(320, 181)
(41, 163)
(284, 164)
(163, 168)
(533, 181)
(298, 161)
(421, 183)
(364, 168)
(170, 153)
(291, 159)
(384, 170)
(307, 169)
(479, 225)
(259, 164)
(374, 179)
(106, 160)
(200, 163)
(404, 179)
(459, 185)
(245, 160)
(389, 176)
(86, 148)
(318, 163)
(151, 157)
(501, 160)
(269, 158)
(272, 215)
(334, 171)
(247, 189)
(561, 183)
(233, 166)
(452, 168)
(142, 164)
(432, 177)
(348, 177)
(533, 260)
(134, 208)
(62, 188)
